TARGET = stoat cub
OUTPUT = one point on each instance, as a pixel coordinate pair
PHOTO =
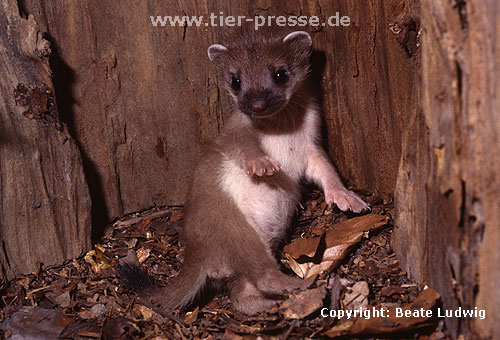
(247, 184)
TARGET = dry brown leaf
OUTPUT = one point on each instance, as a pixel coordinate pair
(85, 314)
(64, 299)
(308, 257)
(131, 243)
(147, 313)
(303, 304)
(246, 329)
(192, 316)
(97, 260)
(147, 222)
(378, 325)
(357, 297)
(98, 310)
(142, 254)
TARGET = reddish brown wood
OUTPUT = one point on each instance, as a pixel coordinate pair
(448, 212)
(44, 201)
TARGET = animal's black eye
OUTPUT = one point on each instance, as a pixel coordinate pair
(235, 83)
(280, 77)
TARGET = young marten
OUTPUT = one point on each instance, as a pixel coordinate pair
(247, 184)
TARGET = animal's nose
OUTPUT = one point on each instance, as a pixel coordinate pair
(258, 105)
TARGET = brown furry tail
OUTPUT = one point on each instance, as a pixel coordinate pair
(179, 293)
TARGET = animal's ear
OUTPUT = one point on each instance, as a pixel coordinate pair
(300, 42)
(217, 54)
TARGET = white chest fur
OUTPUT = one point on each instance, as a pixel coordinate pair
(267, 208)
(291, 149)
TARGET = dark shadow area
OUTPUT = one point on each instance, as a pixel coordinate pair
(64, 78)
(318, 62)
(22, 10)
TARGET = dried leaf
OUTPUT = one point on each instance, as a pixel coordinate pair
(358, 297)
(143, 254)
(64, 300)
(147, 313)
(323, 253)
(192, 316)
(378, 325)
(147, 222)
(303, 304)
(297, 269)
(144, 311)
(132, 243)
(97, 260)
(85, 314)
(98, 310)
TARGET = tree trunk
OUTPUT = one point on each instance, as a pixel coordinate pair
(448, 211)
(44, 202)
(138, 99)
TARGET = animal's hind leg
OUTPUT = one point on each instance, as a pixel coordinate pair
(275, 282)
(246, 298)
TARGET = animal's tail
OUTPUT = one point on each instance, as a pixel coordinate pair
(180, 291)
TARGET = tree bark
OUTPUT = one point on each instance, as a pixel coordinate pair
(448, 212)
(137, 99)
(44, 201)
(371, 88)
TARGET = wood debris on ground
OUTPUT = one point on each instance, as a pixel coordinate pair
(349, 258)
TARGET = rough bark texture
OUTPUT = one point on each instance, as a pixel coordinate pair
(139, 99)
(370, 88)
(449, 182)
(44, 199)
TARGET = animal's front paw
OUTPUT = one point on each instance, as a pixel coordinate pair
(346, 200)
(263, 165)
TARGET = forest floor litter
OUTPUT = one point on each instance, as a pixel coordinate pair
(349, 258)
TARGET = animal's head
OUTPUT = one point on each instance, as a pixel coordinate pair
(263, 70)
